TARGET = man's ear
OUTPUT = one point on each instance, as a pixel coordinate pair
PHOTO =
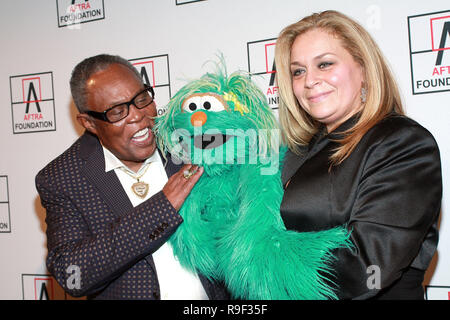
(86, 122)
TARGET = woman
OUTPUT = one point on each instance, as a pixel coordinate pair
(355, 159)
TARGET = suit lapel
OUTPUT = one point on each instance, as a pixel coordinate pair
(107, 183)
(292, 161)
(291, 164)
(318, 142)
(169, 165)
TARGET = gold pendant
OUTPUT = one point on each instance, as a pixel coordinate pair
(140, 189)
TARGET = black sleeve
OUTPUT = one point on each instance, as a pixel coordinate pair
(398, 201)
(105, 255)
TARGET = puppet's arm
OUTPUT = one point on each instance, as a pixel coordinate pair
(192, 245)
(263, 260)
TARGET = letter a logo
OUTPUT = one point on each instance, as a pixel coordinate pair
(44, 293)
(32, 91)
(144, 76)
(272, 76)
(445, 33)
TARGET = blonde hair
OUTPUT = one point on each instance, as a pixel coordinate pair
(382, 92)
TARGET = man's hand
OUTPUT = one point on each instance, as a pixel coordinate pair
(180, 184)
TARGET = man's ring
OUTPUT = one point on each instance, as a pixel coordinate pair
(187, 174)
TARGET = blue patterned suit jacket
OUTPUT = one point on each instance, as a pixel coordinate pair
(94, 232)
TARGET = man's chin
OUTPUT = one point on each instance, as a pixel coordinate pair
(146, 152)
(139, 157)
(141, 153)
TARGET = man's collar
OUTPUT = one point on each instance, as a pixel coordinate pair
(112, 162)
(90, 145)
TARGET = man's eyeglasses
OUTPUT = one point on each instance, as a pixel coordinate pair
(120, 111)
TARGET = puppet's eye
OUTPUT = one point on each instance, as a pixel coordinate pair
(202, 101)
(192, 104)
(212, 103)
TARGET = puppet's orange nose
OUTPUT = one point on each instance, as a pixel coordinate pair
(198, 119)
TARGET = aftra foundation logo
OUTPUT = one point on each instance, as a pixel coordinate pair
(41, 287)
(154, 71)
(261, 65)
(72, 12)
(32, 102)
(429, 45)
(5, 218)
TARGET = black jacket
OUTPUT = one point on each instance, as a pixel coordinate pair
(387, 192)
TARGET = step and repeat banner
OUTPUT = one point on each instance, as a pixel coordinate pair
(169, 42)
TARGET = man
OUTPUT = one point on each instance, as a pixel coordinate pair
(111, 201)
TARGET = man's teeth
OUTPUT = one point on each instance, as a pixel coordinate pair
(141, 134)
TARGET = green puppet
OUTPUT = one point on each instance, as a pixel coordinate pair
(232, 229)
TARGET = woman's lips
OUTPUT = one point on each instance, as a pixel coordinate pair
(318, 97)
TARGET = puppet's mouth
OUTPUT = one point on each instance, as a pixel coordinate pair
(209, 141)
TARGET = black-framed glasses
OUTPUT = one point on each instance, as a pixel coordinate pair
(121, 111)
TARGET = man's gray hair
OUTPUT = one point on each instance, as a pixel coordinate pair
(86, 68)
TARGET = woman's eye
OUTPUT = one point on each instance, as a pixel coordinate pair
(324, 65)
(298, 72)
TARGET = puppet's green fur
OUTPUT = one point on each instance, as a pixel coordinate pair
(232, 229)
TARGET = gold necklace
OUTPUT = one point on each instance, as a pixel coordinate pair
(139, 188)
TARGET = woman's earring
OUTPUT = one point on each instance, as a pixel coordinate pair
(363, 95)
